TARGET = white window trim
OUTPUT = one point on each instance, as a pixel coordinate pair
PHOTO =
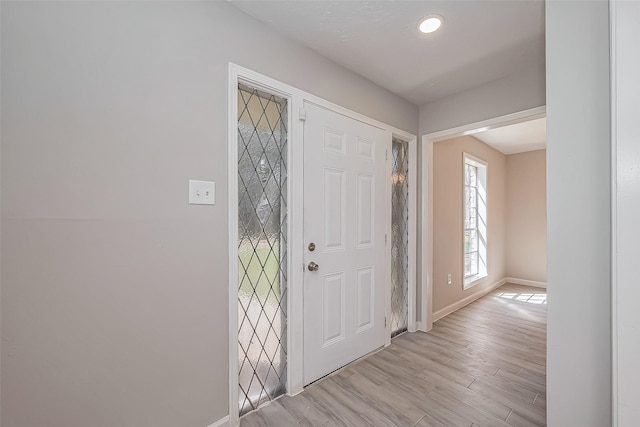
(483, 168)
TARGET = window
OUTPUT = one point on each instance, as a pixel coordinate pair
(262, 246)
(475, 220)
(399, 236)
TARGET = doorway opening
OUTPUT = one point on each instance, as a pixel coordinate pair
(494, 142)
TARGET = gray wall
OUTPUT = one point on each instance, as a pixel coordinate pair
(114, 308)
(578, 191)
(516, 92)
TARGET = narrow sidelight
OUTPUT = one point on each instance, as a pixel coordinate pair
(399, 237)
(262, 246)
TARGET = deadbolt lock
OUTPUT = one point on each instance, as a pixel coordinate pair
(312, 247)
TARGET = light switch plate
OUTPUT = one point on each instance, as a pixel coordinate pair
(202, 192)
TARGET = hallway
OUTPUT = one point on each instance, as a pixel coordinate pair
(484, 365)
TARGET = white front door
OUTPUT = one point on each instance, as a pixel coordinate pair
(344, 217)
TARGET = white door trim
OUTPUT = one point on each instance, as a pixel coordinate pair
(614, 212)
(426, 321)
(296, 99)
(625, 207)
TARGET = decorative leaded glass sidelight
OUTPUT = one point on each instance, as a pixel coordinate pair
(399, 237)
(262, 246)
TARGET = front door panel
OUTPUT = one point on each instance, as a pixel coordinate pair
(344, 209)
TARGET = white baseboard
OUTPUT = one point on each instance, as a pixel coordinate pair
(524, 282)
(468, 300)
(223, 422)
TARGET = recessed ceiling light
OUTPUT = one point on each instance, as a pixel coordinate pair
(430, 24)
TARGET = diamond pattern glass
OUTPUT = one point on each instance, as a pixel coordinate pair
(262, 246)
(399, 237)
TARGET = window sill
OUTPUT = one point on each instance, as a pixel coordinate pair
(471, 281)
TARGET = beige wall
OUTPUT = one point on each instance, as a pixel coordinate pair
(447, 218)
(526, 245)
(114, 289)
(516, 217)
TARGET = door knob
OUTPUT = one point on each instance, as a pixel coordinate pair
(313, 266)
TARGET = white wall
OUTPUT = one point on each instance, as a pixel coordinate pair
(114, 305)
(579, 215)
(526, 217)
(626, 101)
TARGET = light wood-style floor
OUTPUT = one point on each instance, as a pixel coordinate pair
(483, 365)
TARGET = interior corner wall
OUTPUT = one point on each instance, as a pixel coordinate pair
(448, 218)
(114, 298)
(526, 217)
(579, 214)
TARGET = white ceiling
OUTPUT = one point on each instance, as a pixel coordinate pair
(518, 138)
(480, 41)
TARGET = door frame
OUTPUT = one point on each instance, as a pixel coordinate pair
(295, 197)
(426, 220)
(625, 151)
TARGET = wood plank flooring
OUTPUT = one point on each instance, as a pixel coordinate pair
(484, 365)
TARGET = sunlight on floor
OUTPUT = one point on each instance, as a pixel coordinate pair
(531, 298)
